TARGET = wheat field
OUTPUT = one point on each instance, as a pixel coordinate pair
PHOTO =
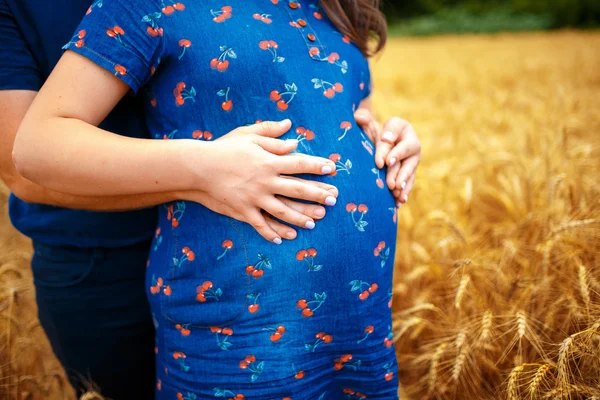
(497, 279)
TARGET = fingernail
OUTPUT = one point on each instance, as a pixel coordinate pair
(398, 204)
(309, 225)
(392, 161)
(326, 169)
(387, 136)
(330, 201)
(292, 141)
(403, 184)
(405, 198)
(277, 240)
(319, 212)
(284, 122)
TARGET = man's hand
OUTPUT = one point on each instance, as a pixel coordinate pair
(398, 147)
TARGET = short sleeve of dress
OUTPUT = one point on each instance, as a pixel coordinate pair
(124, 37)
(366, 81)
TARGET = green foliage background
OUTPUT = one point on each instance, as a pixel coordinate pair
(421, 17)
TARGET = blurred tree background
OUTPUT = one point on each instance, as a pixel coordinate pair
(425, 17)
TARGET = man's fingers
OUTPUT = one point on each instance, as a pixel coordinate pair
(281, 229)
(294, 164)
(257, 220)
(313, 211)
(299, 189)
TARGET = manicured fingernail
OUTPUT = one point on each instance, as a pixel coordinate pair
(277, 240)
(285, 122)
(388, 136)
(392, 161)
(319, 212)
(326, 169)
(292, 141)
(405, 198)
(330, 201)
(309, 225)
(398, 204)
(403, 184)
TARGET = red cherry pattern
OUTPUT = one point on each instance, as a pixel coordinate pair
(362, 209)
(250, 364)
(277, 332)
(364, 288)
(345, 126)
(329, 89)
(227, 103)
(182, 93)
(346, 361)
(257, 270)
(382, 252)
(309, 255)
(339, 165)
(262, 17)
(308, 308)
(368, 330)
(206, 292)
(272, 47)
(304, 134)
(221, 15)
(221, 63)
(321, 338)
(289, 94)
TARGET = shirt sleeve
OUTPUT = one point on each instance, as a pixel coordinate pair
(18, 69)
(124, 37)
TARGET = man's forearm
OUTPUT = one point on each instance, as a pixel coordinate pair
(34, 193)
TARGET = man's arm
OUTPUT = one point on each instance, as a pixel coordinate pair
(13, 106)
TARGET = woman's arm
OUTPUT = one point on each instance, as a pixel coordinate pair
(59, 146)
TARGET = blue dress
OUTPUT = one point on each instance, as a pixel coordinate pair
(238, 317)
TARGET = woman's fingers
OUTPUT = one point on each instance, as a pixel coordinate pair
(409, 167)
(391, 175)
(408, 146)
(279, 210)
(313, 211)
(303, 190)
(296, 163)
(408, 188)
(255, 218)
(282, 230)
(325, 186)
(277, 146)
(271, 129)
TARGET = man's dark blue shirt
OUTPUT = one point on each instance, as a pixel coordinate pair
(32, 33)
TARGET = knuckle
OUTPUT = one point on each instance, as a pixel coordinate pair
(299, 190)
(280, 212)
(300, 165)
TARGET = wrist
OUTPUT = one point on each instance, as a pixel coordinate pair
(194, 161)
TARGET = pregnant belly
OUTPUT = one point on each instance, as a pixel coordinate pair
(219, 271)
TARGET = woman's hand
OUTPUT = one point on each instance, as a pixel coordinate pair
(398, 147)
(243, 174)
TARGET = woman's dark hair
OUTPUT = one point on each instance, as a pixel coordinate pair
(360, 20)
